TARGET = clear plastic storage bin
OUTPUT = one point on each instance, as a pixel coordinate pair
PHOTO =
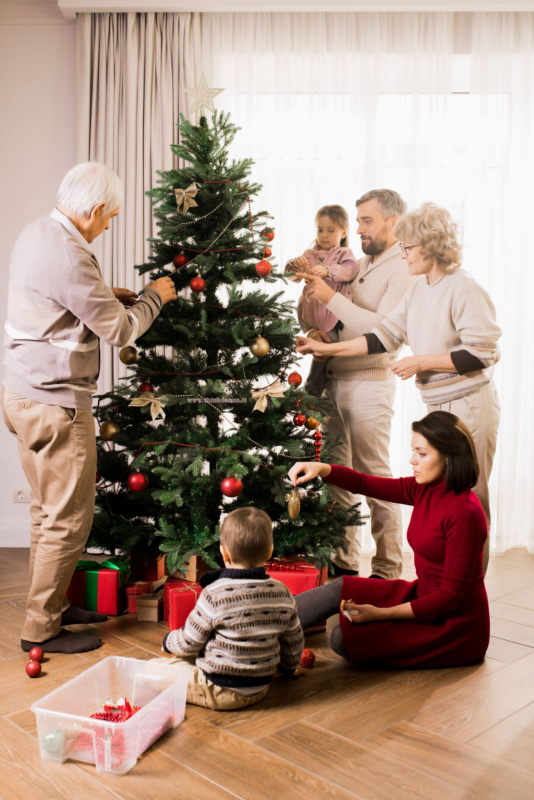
(66, 730)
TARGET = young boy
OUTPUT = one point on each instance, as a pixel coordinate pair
(244, 625)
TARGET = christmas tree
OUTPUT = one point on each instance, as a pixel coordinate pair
(212, 414)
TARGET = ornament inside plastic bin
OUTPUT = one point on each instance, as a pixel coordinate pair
(67, 729)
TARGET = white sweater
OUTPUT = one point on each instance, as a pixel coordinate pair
(452, 314)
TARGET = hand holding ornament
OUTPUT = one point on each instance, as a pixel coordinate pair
(165, 288)
(308, 471)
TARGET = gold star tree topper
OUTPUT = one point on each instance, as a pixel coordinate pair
(203, 96)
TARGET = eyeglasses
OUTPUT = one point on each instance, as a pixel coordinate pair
(407, 247)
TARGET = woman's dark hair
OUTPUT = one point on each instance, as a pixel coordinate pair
(450, 437)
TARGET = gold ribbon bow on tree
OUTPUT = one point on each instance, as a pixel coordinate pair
(156, 403)
(185, 196)
(262, 395)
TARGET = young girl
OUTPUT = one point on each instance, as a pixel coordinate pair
(332, 260)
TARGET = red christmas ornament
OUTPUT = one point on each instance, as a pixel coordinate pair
(299, 419)
(146, 387)
(263, 268)
(197, 284)
(98, 477)
(294, 379)
(137, 482)
(231, 487)
(267, 235)
(267, 252)
(33, 669)
(180, 260)
(36, 654)
(307, 659)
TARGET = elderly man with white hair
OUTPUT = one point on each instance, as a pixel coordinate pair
(59, 307)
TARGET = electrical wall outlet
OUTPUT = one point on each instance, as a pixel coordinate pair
(22, 494)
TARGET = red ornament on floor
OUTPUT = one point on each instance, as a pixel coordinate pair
(294, 379)
(197, 284)
(307, 659)
(137, 482)
(180, 260)
(263, 268)
(36, 654)
(299, 419)
(231, 487)
(33, 669)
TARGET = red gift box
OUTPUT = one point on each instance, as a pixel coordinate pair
(299, 576)
(141, 587)
(182, 600)
(172, 583)
(148, 571)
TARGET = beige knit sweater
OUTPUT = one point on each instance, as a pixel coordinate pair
(376, 290)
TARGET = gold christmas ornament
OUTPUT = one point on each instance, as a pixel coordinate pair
(260, 347)
(129, 355)
(312, 423)
(109, 430)
(293, 503)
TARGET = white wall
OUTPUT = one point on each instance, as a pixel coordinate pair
(37, 102)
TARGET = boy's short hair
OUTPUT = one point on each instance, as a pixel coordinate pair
(247, 535)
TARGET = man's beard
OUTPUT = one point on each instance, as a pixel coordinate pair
(374, 247)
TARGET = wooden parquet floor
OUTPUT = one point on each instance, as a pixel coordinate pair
(333, 733)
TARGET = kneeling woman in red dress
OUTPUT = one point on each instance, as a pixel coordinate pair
(442, 618)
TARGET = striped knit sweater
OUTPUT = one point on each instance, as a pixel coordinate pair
(452, 315)
(242, 628)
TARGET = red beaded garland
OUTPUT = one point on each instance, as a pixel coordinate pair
(317, 436)
(263, 268)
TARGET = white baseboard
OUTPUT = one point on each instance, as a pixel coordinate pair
(14, 533)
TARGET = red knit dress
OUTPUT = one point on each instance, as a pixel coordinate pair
(447, 532)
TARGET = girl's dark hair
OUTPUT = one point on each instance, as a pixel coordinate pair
(447, 434)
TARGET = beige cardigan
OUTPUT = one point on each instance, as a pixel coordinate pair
(58, 308)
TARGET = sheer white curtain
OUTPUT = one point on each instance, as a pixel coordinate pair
(133, 70)
(332, 105)
(498, 227)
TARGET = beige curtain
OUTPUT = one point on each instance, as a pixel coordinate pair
(132, 74)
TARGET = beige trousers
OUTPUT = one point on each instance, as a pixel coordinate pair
(480, 411)
(202, 692)
(362, 416)
(58, 453)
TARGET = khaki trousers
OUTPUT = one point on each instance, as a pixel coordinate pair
(480, 412)
(362, 416)
(202, 692)
(58, 453)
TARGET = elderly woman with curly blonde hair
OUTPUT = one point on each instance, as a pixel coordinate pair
(448, 320)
